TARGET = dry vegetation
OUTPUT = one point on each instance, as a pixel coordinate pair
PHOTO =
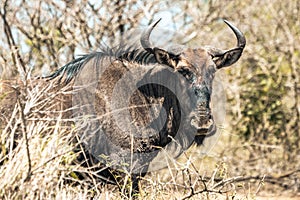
(257, 152)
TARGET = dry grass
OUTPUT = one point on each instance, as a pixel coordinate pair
(37, 160)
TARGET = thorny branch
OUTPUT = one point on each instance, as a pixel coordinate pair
(221, 183)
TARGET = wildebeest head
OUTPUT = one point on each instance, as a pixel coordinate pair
(198, 66)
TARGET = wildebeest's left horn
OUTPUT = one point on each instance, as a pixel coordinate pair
(239, 35)
(226, 58)
(145, 37)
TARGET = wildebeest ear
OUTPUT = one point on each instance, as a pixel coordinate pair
(227, 58)
(163, 57)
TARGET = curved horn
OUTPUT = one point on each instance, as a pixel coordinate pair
(224, 58)
(145, 37)
(241, 40)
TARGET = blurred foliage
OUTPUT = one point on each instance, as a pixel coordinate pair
(268, 81)
(262, 116)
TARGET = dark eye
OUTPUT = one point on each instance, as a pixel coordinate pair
(187, 74)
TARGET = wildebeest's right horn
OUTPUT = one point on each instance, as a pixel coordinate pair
(226, 58)
(145, 37)
(161, 56)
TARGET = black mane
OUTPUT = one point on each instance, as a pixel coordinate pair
(122, 53)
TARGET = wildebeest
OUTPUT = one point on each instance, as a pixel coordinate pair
(129, 103)
(132, 102)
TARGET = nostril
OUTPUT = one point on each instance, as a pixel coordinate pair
(208, 114)
(211, 121)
